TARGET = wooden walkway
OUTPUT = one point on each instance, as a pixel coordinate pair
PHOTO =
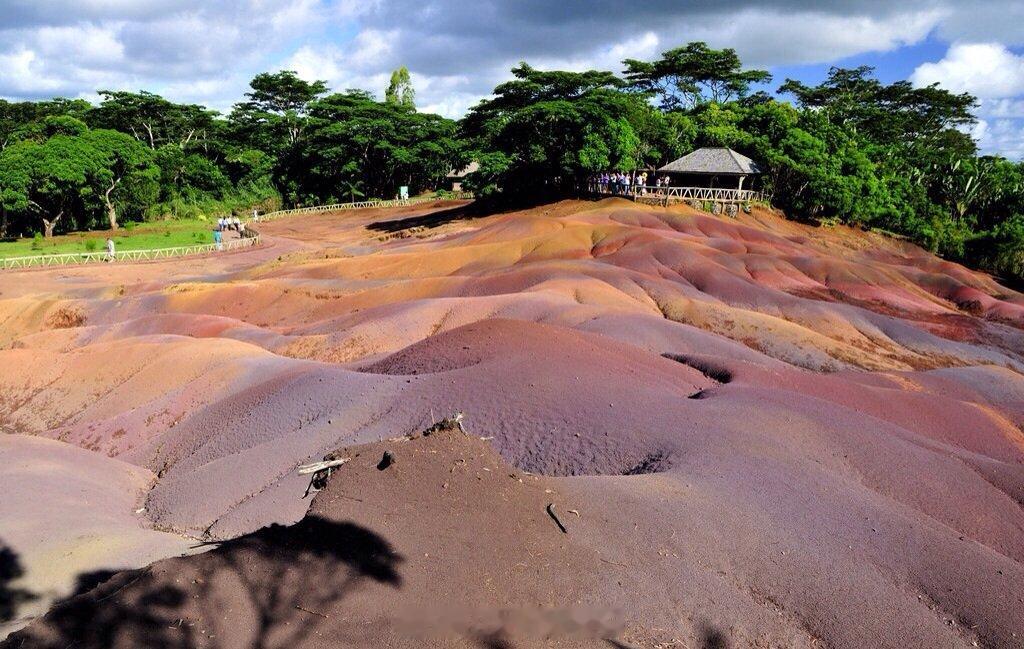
(361, 205)
(719, 198)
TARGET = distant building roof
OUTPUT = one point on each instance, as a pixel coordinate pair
(713, 160)
(462, 173)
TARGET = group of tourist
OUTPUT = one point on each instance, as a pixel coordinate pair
(226, 224)
(617, 182)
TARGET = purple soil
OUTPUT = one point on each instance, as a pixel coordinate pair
(774, 435)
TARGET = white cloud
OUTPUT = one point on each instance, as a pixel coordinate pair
(1001, 136)
(457, 51)
(986, 70)
(1005, 108)
(189, 50)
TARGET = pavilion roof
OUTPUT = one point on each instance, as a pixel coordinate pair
(713, 160)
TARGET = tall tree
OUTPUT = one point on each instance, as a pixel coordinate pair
(687, 76)
(274, 115)
(889, 114)
(400, 90)
(124, 171)
(48, 180)
(544, 132)
(354, 142)
(151, 119)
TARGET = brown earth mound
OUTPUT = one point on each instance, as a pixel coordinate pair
(445, 545)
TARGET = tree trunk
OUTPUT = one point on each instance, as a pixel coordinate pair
(111, 212)
(49, 225)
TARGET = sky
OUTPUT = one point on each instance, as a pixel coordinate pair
(458, 50)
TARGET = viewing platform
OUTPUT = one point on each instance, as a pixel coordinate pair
(720, 199)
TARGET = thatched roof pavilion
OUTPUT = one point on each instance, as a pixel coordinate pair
(714, 161)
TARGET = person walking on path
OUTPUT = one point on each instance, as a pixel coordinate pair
(218, 238)
(110, 250)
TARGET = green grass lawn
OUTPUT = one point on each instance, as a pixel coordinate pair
(140, 236)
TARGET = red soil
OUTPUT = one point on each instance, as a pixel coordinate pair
(774, 435)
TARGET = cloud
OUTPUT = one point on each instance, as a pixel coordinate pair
(457, 51)
(189, 50)
(985, 70)
(1001, 136)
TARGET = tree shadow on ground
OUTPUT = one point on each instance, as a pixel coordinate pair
(426, 221)
(10, 597)
(708, 638)
(712, 638)
(276, 584)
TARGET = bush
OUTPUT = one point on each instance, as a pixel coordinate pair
(66, 317)
(37, 241)
(91, 245)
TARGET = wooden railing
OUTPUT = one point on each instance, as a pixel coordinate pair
(668, 195)
(337, 207)
(82, 258)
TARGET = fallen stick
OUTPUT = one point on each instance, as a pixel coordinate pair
(316, 467)
(554, 517)
(310, 612)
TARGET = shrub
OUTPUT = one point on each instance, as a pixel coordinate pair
(37, 241)
(91, 245)
(66, 317)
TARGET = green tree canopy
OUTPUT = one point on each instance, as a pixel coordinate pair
(547, 131)
(694, 74)
(274, 114)
(151, 119)
(124, 173)
(353, 141)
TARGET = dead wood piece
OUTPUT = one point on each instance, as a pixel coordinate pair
(317, 467)
(554, 517)
(310, 612)
(321, 472)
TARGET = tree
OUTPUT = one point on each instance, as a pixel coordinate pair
(892, 114)
(353, 141)
(275, 114)
(49, 180)
(400, 90)
(151, 119)
(547, 131)
(23, 120)
(124, 171)
(694, 74)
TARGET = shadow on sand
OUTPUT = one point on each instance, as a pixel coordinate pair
(432, 220)
(275, 582)
(10, 597)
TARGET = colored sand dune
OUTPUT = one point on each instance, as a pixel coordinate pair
(756, 433)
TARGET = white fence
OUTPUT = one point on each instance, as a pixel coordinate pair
(667, 195)
(398, 202)
(82, 258)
